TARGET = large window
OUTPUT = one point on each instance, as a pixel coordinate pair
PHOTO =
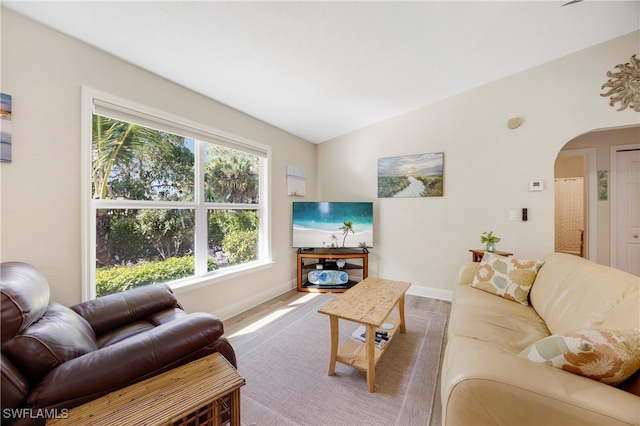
(168, 200)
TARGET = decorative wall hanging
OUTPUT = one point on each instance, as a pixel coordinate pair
(603, 185)
(296, 183)
(411, 176)
(624, 86)
(5, 128)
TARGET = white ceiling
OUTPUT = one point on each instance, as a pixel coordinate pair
(322, 69)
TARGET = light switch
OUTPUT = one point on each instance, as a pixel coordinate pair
(513, 215)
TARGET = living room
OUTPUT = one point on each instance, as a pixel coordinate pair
(418, 240)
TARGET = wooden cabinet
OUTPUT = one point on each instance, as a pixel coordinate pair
(356, 267)
(207, 388)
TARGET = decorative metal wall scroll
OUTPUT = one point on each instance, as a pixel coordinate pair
(624, 86)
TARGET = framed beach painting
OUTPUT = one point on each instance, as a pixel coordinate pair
(419, 175)
(5, 128)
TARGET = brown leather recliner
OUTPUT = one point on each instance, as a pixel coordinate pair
(55, 358)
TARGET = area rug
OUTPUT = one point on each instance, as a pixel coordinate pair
(285, 365)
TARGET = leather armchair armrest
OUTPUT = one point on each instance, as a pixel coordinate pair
(466, 272)
(108, 312)
(142, 356)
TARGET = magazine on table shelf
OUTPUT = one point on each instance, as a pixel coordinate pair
(382, 337)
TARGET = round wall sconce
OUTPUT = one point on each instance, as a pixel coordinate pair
(514, 123)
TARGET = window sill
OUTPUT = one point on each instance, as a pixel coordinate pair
(217, 276)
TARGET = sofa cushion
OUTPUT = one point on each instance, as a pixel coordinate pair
(506, 277)
(60, 335)
(482, 316)
(572, 293)
(609, 356)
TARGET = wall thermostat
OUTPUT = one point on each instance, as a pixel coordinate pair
(536, 185)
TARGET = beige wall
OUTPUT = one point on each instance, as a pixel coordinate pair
(487, 166)
(40, 190)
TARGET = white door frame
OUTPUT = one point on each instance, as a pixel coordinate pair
(591, 183)
(612, 184)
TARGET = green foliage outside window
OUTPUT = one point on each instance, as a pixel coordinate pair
(140, 246)
(114, 279)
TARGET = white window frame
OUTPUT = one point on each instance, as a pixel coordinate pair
(92, 99)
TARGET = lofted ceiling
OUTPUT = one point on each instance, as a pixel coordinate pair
(323, 69)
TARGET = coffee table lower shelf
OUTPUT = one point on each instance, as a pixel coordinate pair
(354, 353)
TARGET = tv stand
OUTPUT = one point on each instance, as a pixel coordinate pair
(356, 266)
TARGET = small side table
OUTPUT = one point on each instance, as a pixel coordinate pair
(203, 392)
(476, 255)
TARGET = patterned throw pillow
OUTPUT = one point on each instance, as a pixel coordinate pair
(606, 355)
(507, 277)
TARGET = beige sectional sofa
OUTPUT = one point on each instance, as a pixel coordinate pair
(488, 375)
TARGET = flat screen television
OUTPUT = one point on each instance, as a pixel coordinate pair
(332, 224)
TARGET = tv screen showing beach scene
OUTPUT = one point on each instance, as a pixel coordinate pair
(332, 224)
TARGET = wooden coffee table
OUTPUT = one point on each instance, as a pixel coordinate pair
(368, 303)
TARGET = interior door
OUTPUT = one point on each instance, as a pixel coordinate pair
(627, 211)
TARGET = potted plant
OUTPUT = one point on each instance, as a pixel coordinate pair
(490, 240)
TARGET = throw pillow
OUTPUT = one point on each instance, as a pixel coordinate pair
(607, 355)
(507, 277)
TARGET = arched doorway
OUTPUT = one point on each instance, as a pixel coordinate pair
(593, 151)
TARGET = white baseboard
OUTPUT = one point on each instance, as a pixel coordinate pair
(433, 293)
(254, 300)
